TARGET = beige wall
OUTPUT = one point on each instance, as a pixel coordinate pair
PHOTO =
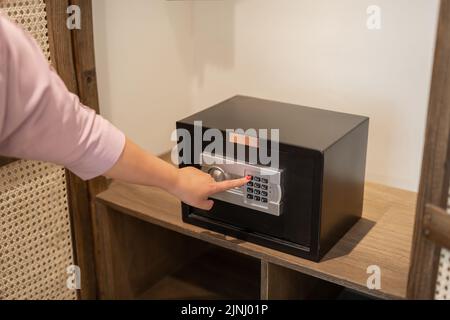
(161, 59)
(144, 61)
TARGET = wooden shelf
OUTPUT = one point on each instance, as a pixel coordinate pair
(382, 238)
(217, 274)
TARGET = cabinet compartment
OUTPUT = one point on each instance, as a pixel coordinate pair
(137, 259)
(280, 283)
(146, 261)
(216, 274)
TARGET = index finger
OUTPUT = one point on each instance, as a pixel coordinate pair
(230, 184)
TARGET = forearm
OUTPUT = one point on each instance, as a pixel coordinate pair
(190, 185)
(140, 167)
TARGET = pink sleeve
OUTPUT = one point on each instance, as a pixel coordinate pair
(41, 120)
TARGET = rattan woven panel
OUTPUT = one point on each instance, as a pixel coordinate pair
(35, 232)
(35, 238)
(443, 280)
(31, 15)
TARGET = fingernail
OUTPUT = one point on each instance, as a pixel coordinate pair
(249, 178)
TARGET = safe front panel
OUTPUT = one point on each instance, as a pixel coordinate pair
(298, 205)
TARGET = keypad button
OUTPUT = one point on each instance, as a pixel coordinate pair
(249, 190)
(265, 187)
(257, 198)
(257, 179)
(264, 193)
(257, 185)
(250, 197)
(264, 200)
(257, 192)
(250, 184)
(263, 180)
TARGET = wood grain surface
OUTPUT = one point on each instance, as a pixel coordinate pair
(435, 177)
(382, 238)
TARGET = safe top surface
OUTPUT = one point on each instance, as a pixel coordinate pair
(306, 127)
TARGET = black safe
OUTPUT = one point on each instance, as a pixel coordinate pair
(301, 206)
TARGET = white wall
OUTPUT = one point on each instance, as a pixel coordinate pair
(159, 60)
(144, 61)
(320, 53)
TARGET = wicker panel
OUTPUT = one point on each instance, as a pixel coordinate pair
(31, 15)
(35, 231)
(443, 281)
(35, 238)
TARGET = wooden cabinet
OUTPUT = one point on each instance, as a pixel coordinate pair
(145, 251)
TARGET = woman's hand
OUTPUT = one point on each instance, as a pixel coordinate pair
(190, 185)
(194, 187)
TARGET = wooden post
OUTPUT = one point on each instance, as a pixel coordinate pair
(434, 183)
(74, 59)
